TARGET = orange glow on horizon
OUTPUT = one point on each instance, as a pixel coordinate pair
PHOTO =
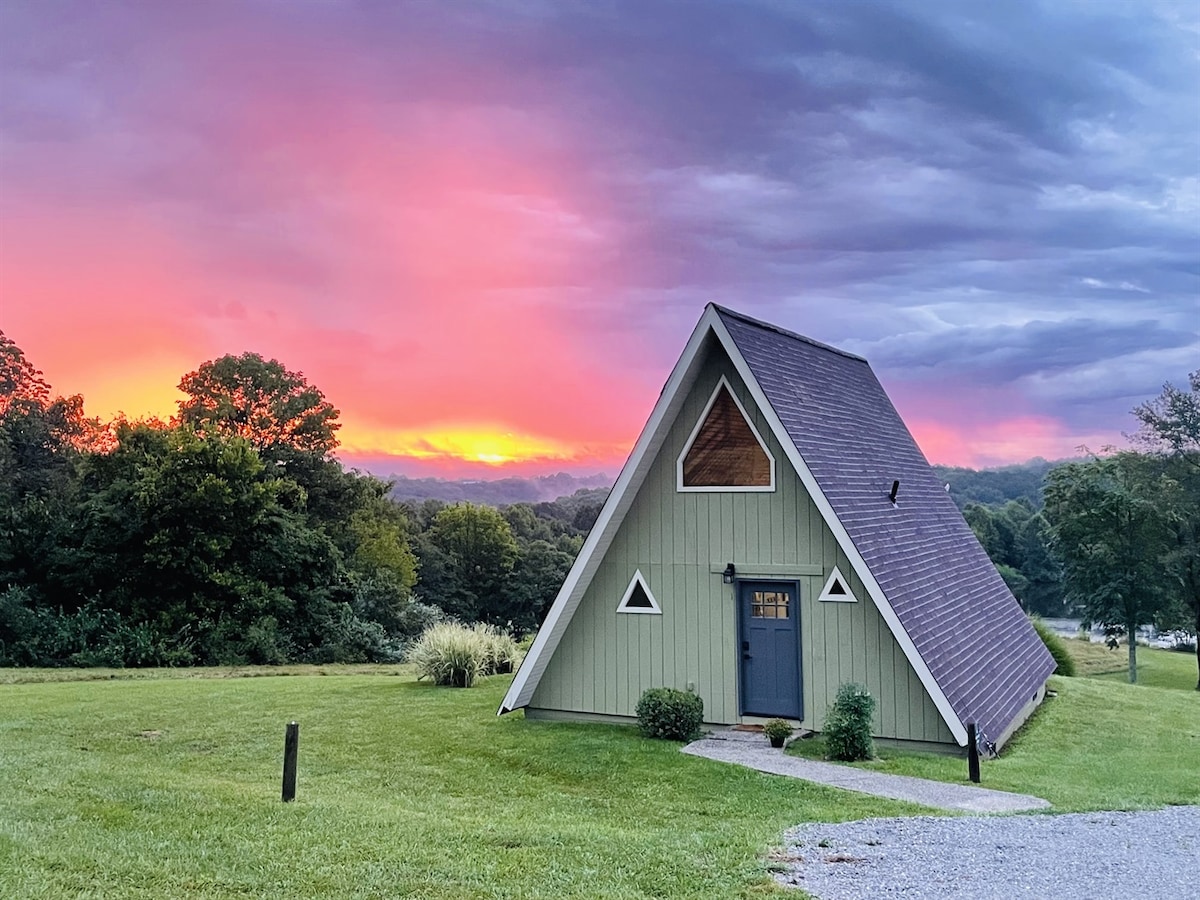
(489, 444)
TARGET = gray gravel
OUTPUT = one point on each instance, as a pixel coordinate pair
(1079, 856)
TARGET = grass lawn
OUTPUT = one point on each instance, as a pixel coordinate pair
(1156, 668)
(1100, 744)
(169, 787)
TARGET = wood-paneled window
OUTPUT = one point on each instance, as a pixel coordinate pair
(725, 452)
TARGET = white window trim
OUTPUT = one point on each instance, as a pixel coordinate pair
(712, 489)
(637, 579)
(847, 597)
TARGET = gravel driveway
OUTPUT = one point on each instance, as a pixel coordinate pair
(1078, 856)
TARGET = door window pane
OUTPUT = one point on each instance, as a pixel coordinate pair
(769, 605)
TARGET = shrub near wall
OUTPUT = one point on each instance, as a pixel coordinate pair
(1058, 649)
(669, 713)
(848, 725)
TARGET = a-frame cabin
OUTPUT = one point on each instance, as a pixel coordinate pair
(775, 533)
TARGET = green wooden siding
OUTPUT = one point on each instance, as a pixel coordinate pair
(605, 659)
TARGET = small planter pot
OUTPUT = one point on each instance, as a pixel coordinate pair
(777, 742)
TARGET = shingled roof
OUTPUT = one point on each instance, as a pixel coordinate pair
(950, 611)
(956, 609)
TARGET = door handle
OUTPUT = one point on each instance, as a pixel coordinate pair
(745, 656)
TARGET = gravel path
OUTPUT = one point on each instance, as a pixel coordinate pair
(1079, 856)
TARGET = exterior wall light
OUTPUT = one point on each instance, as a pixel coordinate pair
(729, 573)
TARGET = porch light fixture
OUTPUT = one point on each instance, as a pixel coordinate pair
(728, 574)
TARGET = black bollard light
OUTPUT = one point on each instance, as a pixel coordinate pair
(973, 752)
(291, 746)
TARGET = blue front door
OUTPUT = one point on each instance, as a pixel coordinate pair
(769, 613)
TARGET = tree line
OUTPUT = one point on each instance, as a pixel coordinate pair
(230, 534)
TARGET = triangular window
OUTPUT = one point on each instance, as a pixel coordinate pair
(638, 598)
(725, 452)
(837, 589)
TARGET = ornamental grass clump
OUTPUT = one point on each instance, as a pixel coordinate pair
(1057, 647)
(501, 653)
(670, 714)
(848, 725)
(450, 654)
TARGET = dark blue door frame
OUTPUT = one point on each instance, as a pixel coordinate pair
(769, 648)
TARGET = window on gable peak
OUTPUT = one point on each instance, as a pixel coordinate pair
(725, 451)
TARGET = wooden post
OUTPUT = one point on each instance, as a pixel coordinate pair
(291, 746)
(973, 752)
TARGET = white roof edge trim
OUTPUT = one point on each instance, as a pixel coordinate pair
(520, 692)
(723, 382)
(847, 597)
(842, 537)
(634, 582)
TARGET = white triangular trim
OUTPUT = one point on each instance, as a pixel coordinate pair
(710, 489)
(633, 583)
(846, 596)
(632, 475)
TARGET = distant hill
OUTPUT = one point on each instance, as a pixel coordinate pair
(500, 492)
(988, 486)
(997, 486)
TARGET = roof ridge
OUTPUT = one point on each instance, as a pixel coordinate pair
(767, 326)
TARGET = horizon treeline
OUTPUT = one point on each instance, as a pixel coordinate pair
(231, 535)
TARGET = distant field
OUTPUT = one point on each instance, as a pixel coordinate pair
(155, 787)
(1156, 668)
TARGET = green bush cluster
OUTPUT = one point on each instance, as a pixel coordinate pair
(848, 724)
(1057, 647)
(452, 654)
(669, 713)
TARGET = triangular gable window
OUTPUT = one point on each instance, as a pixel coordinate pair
(837, 589)
(638, 598)
(725, 452)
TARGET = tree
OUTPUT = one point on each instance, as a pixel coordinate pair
(1111, 533)
(19, 380)
(536, 579)
(1170, 429)
(261, 401)
(479, 554)
(1171, 421)
(198, 539)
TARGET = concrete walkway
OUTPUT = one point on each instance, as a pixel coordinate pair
(747, 748)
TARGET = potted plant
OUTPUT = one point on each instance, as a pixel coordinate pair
(777, 731)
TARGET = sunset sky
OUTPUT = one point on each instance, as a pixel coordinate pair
(485, 231)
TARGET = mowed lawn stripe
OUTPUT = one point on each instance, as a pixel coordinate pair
(170, 787)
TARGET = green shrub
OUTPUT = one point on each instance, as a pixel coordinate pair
(501, 654)
(669, 713)
(450, 654)
(848, 724)
(1057, 647)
